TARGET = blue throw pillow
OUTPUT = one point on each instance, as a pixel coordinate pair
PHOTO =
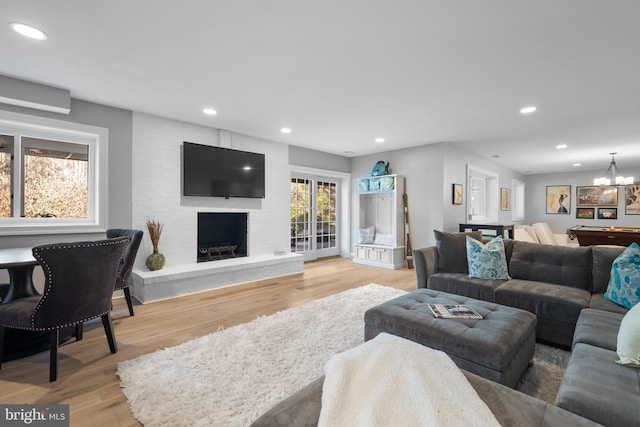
(487, 261)
(624, 282)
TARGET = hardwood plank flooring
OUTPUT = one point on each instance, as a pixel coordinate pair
(87, 379)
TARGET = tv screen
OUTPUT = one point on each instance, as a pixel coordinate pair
(222, 172)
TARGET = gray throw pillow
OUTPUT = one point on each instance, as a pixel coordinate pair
(452, 250)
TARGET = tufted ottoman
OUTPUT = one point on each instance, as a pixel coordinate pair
(498, 347)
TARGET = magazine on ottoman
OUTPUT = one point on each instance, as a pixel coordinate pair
(454, 311)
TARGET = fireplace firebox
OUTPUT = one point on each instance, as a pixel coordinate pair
(221, 235)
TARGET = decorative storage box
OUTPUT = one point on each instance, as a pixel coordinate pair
(374, 184)
(363, 185)
(386, 183)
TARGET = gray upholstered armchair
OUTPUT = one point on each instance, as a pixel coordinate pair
(126, 264)
(78, 286)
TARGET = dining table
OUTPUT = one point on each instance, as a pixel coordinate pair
(19, 263)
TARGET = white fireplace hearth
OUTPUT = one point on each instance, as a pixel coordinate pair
(173, 281)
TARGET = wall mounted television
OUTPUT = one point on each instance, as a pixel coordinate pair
(222, 172)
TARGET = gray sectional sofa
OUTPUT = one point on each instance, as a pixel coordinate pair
(554, 282)
(593, 385)
(510, 407)
(564, 287)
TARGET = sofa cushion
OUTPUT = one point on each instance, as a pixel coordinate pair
(532, 232)
(624, 284)
(462, 284)
(628, 344)
(521, 234)
(596, 387)
(452, 250)
(562, 265)
(545, 300)
(597, 327)
(599, 302)
(487, 261)
(544, 233)
(603, 257)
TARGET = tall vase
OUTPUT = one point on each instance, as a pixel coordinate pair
(155, 261)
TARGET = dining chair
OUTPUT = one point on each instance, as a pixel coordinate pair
(126, 264)
(4, 290)
(78, 286)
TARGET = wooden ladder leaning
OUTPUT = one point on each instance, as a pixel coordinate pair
(407, 240)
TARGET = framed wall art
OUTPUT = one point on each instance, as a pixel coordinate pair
(456, 194)
(558, 199)
(597, 195)
(607, 213)
(505, 199)
(632, 199)
(585, 213)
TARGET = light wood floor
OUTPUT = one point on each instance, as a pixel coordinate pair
(87, 379)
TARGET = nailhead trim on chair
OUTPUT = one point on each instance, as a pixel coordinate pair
(126, 273)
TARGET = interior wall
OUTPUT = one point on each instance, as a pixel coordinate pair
(455, 172)
(119, 124)
(157, 189)
(422, 167)
(535, 201)
(429, 171)
(305, 157)
(119, 208)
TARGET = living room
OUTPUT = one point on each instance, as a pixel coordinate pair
(144, 168)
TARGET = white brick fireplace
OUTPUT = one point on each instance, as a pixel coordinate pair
(157, 194)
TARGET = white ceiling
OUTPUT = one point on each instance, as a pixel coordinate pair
(342, 72)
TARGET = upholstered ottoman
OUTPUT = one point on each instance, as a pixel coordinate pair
(498, 347)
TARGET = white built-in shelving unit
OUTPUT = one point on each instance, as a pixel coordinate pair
(380, 206)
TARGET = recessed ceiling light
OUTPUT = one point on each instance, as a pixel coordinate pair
(528, 110)
(379, 140)
(210, 111)
(577, 164)
(28, 31)
(561, 146)
(285, 130)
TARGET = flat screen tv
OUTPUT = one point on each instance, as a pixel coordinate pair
(222, 172)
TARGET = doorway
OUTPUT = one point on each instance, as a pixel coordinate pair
(314, 216)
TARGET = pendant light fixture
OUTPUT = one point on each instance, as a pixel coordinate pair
(613, 175)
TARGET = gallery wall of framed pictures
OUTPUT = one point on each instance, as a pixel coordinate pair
(601, 201)
(593, 201)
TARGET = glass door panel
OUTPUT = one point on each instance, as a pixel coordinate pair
(314, 235)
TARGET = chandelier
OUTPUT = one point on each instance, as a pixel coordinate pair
(613, 175)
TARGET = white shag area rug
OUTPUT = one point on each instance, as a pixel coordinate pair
(231, 377)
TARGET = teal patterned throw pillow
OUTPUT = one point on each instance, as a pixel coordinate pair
(487, 261)
(624, 282)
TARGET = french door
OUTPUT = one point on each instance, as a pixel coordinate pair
(314, 216)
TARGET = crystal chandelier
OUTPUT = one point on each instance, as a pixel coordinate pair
(613, 175)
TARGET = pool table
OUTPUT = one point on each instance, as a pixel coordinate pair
(620, 236)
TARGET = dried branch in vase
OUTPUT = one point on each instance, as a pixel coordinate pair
(155, 230)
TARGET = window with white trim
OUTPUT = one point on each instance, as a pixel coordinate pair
(52, 176)
(482, 196)
(518, 200)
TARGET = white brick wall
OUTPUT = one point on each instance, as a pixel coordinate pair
(157, 190)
